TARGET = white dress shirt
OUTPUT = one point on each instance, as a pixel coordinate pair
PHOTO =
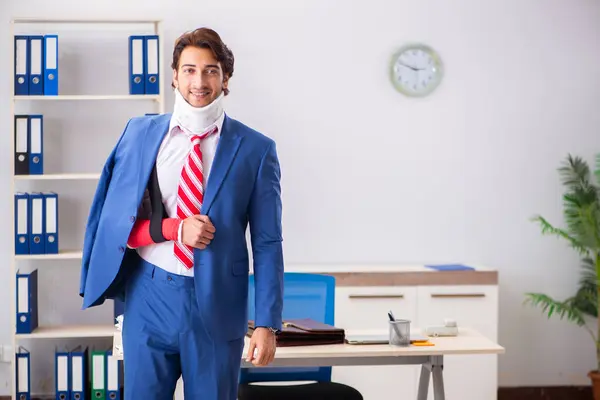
(171, 158)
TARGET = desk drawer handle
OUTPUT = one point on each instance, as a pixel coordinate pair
(376, 296)
(456, 295)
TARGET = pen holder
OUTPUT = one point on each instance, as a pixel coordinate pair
(400, 332)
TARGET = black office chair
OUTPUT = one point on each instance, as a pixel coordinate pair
(308, 391)
(305, 296)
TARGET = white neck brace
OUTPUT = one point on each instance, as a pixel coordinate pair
(196, 120)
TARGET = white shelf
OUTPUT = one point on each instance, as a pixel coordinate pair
(85, 97)
(62, 255)
(69, 331)
(57, 177)
(81, 21)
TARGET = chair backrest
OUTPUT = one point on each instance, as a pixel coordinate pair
(305, 296)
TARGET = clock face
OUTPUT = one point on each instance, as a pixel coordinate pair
(416, 70)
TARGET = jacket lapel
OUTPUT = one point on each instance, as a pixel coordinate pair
(229, 142)
(155, 132)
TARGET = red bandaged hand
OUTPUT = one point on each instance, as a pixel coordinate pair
(140, 233)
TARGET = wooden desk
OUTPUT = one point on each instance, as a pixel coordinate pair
(431, 358)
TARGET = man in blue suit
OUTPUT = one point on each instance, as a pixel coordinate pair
(166, 232)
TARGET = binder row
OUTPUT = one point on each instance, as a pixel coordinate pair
(36, 223)
(36, 65)
(77, 376)
(29, 144)
(144, 64)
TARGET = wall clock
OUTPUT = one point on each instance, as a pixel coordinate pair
(416, 70)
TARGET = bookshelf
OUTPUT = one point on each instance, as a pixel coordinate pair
(70, 331)
(88, 97)
(62, 255)
(156, 105)
(58, 177)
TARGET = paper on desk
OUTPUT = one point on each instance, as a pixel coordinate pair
(117, 341)
(117, 345)
(119, 324)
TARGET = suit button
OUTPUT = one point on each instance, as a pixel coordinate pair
(132, 219)
(121, 249)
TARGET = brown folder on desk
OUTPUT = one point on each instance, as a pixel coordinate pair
(305, 332)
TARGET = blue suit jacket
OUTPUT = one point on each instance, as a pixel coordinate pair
(243, 188)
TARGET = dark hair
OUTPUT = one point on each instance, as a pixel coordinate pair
(208, 39)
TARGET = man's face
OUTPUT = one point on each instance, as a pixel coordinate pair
(199, 76)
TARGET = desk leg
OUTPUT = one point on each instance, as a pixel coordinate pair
(424, 381)
(435, 366)
(437, 369)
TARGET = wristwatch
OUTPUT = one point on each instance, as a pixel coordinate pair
(272, 330)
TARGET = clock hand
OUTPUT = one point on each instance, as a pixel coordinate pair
(413, 68)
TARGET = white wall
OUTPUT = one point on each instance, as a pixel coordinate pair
(369, 176)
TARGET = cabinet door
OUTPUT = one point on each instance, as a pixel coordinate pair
(366, 308)
(469, 377)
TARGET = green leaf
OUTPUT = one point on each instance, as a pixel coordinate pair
(589, 274)
(582, 214)
(581, 202)
(563, 310)
(574, 173)
(586, 298)
(548, 229)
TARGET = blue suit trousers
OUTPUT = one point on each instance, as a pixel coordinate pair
(164, 338)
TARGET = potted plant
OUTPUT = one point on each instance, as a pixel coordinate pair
(581, 209)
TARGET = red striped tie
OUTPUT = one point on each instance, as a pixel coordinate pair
(190, 194)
